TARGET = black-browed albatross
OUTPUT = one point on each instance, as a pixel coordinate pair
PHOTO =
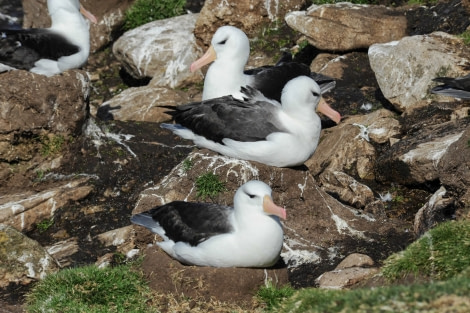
(49, 51)
(453, 87)
(207, 234)
(257, 128)
(229, 52)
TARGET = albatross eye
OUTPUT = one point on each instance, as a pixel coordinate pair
(315, 94)
(222, 42)
(251, 196)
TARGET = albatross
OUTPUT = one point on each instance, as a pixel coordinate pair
(257, 128)
(249, 234)
(453, 87)
(229, 52)
(49, 51)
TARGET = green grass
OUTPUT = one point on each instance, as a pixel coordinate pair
(209, 185)
(187, 165)
(92, 290)
(441, 253)
(51, 144)
(44, 225)
(465, 37)
(145, 11)
(436, 297)
(272, 296)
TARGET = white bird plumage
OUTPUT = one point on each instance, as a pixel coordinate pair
(229, 52)
(257, 128)
(49, 51)
(247, 235)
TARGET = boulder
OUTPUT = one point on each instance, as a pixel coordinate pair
(144, 104)
(439, 208)
(248, 15)
(27, 209)
(162, 49)
(405, 68)
(345, 26)
(37, 120)
(347, 147)
(415, 159)
(354, 269)
(23, 259)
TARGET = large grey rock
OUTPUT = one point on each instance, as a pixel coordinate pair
(162, 49)
(345, 26)
(404, 69)
(23, 259)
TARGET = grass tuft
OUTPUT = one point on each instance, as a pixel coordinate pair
(209, 185)
(146, 11)
(273, 296)
(441, 253)
(92, 290)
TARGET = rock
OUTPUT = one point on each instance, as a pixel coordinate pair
(415, 159)
(37, 119)
(248, 15)
(25, 210)
(62, 250)
(346, 147)
(346, 188)
(23, 259)
(143, 104)
(345, 278)
(162, 49)
(352, 270)
(454, 166)
(345, 26)
(316, 223)
(110, 15)
(356, 260)
(404, 69)
(31, 103)
(236, 285)
(439, 208)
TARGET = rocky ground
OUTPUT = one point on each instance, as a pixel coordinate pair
(158, 151)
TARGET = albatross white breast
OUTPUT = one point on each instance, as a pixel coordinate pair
(49, 51)
(206, 234)
(257, 128)
(229, 52)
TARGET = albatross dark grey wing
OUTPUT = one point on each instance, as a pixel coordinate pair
(227, 117)
(21, 48)
(189, 222)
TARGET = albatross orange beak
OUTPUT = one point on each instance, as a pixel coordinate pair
(271, 208)
(88, 15)
(207, 58)
(324, 108)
